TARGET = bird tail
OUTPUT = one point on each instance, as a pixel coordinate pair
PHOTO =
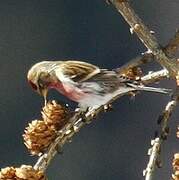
(150, 89)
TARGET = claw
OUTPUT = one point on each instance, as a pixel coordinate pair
(108, 107)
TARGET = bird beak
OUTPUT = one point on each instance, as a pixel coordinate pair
(44, 92)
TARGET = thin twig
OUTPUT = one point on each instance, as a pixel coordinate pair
(154, 151)
(170, 49)
(153, 77)
(144, 34)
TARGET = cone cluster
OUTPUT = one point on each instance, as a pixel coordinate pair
(24, 172)
(134, 73)
(175, 164)
(40, 133)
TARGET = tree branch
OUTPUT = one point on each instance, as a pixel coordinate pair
(154, 151)
(145, 36)
(170, 49)
(155, 76)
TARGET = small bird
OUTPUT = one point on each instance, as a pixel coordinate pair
(82, 82)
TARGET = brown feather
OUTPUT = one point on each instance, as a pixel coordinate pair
(79, 71)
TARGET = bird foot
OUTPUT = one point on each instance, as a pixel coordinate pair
(108, 107)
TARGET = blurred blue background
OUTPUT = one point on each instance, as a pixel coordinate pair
(115, 145)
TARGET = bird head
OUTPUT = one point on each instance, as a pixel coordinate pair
(39, 77)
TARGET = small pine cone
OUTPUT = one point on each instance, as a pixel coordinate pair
(38, 136)
(23, 173)
(175, 162)
(175, 176)
(29, 173)
(175, 165)
(7, 173)
(55, 115)
(134, 73)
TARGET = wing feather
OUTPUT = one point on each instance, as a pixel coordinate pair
(78, 71)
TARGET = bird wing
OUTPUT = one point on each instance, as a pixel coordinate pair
(78, 71)
(103, 82)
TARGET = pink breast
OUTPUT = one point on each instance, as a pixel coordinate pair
(71, 92)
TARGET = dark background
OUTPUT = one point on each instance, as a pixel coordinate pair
(115, 145)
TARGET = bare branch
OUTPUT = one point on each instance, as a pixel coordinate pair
(170, 49)
(145, 36)
(155, 76)
(154, 151)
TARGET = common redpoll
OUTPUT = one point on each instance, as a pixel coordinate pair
(82, 82)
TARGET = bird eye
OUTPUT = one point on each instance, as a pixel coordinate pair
(33, 85)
